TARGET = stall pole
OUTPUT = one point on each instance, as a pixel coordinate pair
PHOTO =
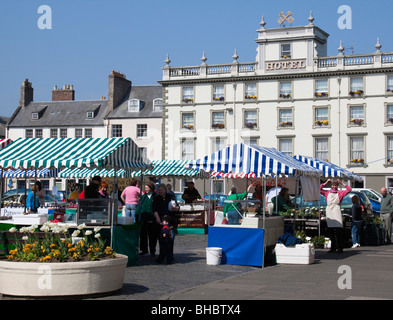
(276, 178)
(210, 198)
(25, 189)
(2, 190)
(264, 191)
(114, 212)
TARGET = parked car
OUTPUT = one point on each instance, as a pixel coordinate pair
(218, 198)
(346, 203)
(374, 197)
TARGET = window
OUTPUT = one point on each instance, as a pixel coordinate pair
(188, 149)
(218, 93)
(285, 118)
(157, 104)
(251, 141)
(218, 144)
(285, 146)
(134, 105)
(389, 149)
(250, 119)
(53, 133)
(286, 51)
(218, 120)
(389, 114)
(356, 87)
(141, 130)
(286, 90)
(38, 133)
(321, 117)
(34, 116)
(29, 133)
(188, 120)
(78, 133)
(251, 91)
(90, 114)
(356, 115)
(322, 148)
(321, 88)
(188, 94)
(88, 133)
(63, 133)
(143, 152)
(356, 145)
(117, 130)
(389, 84)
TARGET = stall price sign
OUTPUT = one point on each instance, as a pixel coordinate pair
(191, 220)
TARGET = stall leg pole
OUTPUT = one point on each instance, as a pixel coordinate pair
(264, 213)
(276, 196)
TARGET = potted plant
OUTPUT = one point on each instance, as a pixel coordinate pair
(61, 265)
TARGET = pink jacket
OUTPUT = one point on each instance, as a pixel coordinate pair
(131, 194)
(341, 193)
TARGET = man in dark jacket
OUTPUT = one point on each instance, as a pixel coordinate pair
(386, 214)
(91, 190)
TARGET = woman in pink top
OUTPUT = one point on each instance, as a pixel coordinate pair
(130, 197)
(333, 213)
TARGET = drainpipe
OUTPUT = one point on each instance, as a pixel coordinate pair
(339, 121)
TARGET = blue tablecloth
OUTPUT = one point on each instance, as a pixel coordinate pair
(240, 246)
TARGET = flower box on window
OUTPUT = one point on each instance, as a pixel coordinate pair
(188, 126)
(390, 161)
(322, 122)
(250, 125)
(390, 120)
(360, 161)
(218, 125)
(286, 56)
(188, 100)
(286, 124)
(357, 121)
(285, 96)
(389, 90)
(356, 93)
(321, 94)
(250, 97)
(218, 98)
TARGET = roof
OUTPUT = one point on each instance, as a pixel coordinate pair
(61, 114)
(60, 153)
(146, 94)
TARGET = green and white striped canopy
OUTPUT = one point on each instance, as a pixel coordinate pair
(163, 168)
(26, 153)
(89, 173)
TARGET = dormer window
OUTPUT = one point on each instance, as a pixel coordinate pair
(90, 115)
(34, 116)
(134, 105)
(157, 104)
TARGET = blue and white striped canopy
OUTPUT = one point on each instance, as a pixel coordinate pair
(261, 161)
(18, 173)
(329, 169)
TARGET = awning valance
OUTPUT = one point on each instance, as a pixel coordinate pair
(38, 153)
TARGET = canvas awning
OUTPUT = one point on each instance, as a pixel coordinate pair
(261, 161)
(329, 169)
(4, 143)
(38, 153)
(19, 173)
(89, 173)
(176, 168)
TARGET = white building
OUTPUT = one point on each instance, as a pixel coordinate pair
(292, 97)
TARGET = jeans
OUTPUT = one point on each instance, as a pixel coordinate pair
(233, 217)
(356, 232)
(130, 210)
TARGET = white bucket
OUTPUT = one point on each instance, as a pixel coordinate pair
(213, 256)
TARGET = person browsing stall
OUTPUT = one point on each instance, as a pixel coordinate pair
(32, 202)
(190, 193)
(130, 196)
(281, 202)
(232, 209)
(386, 214)
(92, 190)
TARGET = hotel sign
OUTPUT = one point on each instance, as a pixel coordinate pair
(285, 65)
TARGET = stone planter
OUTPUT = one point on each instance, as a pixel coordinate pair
(37, 279)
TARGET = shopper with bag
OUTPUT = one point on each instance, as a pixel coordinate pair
(149, 228)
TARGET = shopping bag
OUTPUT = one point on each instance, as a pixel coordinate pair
(224, 221)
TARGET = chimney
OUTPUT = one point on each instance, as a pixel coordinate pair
(118, 87)
(26, 94)
(65, 94)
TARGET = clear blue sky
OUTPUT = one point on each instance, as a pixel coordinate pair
(89, 38)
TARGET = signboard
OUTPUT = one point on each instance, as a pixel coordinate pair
(285, 65)
(191, 219)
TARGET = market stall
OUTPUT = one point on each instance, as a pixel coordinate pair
(101, 153)
(262, 163)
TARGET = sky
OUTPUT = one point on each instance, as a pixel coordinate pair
(90, 38)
